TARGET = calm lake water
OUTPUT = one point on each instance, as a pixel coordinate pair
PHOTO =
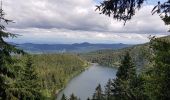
(83, 85)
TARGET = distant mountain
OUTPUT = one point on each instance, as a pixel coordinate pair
(68, 48)
(140, 54)
(113, 58)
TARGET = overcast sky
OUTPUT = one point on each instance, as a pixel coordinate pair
(70, 21)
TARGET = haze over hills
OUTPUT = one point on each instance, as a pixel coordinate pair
(68, 48)
(140, 54)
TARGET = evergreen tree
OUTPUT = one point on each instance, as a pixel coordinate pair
(6, 61)
(125, 9)
(27, 85)
(108, 90)
(127, 69)
(125, 75)
(30, 81)
(73, 97)
(63, 97)
(98, 95)
(158, 85)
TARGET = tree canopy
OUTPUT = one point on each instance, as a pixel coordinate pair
(6, 61)
(125, 9)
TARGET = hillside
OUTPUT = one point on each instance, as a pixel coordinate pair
(112, 58)
(140, 54)
(54, 70)
(68, 48)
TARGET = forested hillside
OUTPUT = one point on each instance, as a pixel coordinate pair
(68, 48)
(54, 70)
(113, 57)
(151, 84)
(140, 55)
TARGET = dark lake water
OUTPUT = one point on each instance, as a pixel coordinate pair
(83, 85)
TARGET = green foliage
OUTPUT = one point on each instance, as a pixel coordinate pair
(151, 84)
(63, 97)
(6, 62)
(163, 9)
(125, 9)
(30, 80)
(127, 68)
(157, 78)
(120, 9)
(73, 97)
(127, 85)
(26, 84)
(140, 55)
(53, 70)
(108, 90)
(124, 83)
(98, 95)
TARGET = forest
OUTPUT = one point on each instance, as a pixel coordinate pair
(40, 77)
(112, 58)
(53, 70)
(151, 83)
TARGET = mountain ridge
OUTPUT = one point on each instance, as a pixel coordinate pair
(68, 48)
(140, 54)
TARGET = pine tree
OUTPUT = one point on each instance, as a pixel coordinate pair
(6, 61)
(63, 97)
(98, 95)
(127, 68)
(73, 97)
(126, 9)
(159, 82)
(30, 81)
(125, 75)
(27, 85)
(108, 90)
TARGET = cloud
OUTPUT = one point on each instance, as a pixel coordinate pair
(67, 19)
(37, 35)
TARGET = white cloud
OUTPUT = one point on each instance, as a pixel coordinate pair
(76, 21)
(54, 35)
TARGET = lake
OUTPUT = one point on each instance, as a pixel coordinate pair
(83, 85)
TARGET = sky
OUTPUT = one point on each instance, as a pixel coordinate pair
(76, 21)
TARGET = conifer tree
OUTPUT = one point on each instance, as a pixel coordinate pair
(126, 9)
(73, 97)
(6, 61)
(30, 81)
(125, 75)
(159, 84)
(108, 90)
(98, 95)
(127, 68)
(63, 97)
(27, 85)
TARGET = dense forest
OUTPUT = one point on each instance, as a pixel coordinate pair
(53, 70)
(37, 77)
(32, 77)
(140, 54)
(151, 84)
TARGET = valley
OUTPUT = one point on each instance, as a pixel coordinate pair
(84, 50)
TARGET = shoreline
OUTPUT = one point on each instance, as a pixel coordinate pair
(74, 75)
